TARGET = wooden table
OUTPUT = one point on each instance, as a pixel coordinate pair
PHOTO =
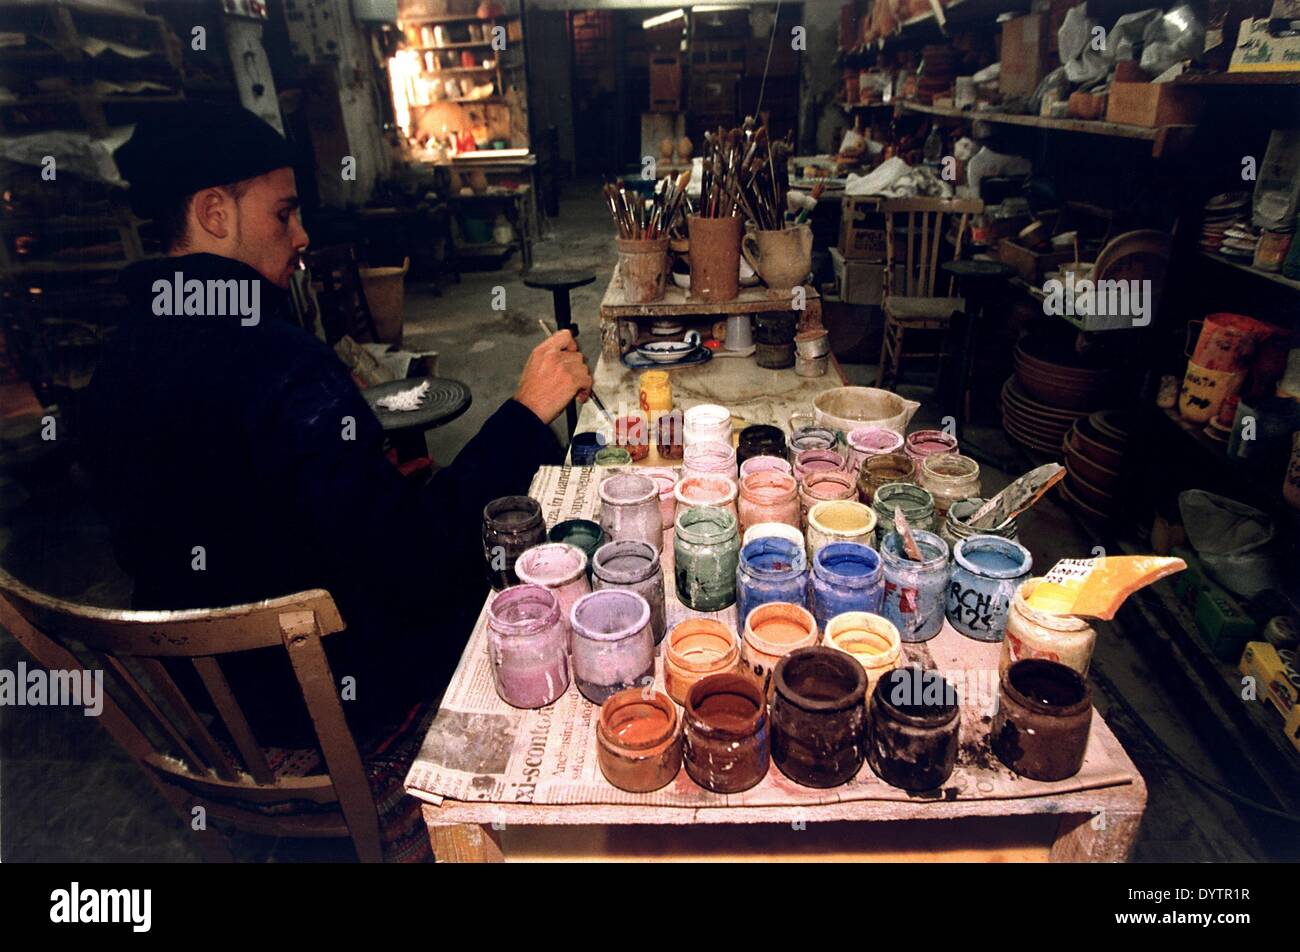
(620, 321)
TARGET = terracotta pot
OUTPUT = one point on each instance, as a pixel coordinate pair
(715, 258)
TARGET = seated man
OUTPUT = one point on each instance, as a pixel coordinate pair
(235, 459)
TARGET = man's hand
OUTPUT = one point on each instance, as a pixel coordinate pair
(556, 372)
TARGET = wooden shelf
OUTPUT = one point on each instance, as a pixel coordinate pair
(927, 26)
(449, 46)
(459, 69)
(850, 106)
(1266, 275)
(1158, 136)
(1240, 79)
(462, 18)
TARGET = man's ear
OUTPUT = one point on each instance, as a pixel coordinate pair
(212, 210)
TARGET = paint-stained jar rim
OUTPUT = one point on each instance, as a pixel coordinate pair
(835, 553)
(726, 684)
(768, 487)
(705, 630)
(573, 567)
(546, 615)
(949, 466)
(1063, 624)
(493, 511)
(1046, 667)
(992, 543)
(841, 628)
(629, 702)
(891, 550)
(777, 546)
(719, 489)
(625, 549)
(583, 604)
(627, 489)
(824, 508)
(765, 463)
(705, 525)
(850, 673)
(944, 713)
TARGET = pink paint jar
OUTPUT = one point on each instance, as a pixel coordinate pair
(768, 496)
(528, 645)
(819, 461)
(629, 509)
(821, 486)
(762, 464)
(665, 478)
(709, 458)
(707, 489)
(871, 441)
(560, 568)
(613, 646)
(923, 443)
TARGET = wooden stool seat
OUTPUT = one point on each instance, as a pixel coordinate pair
(936, 310)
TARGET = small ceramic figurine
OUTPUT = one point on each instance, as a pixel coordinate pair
(1168, 393)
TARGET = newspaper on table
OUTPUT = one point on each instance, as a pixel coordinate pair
(480, 749)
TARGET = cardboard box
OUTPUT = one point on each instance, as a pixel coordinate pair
(861, 282)
(1277, 188)
(1292, 727)
(665, 82)
(862, 228)
(1030, 264)
(1025, 54)
(1151, 105)
(1258, 51)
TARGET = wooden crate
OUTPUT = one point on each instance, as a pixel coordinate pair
(1152, 104)
(665, 82)
(1030, 264)
(862, 228)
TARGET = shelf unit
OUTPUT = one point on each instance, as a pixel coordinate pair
(1281, 279)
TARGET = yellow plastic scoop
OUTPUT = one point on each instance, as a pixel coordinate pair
(1096, 588)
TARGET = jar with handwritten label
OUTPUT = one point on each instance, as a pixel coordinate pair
(986, 571)
(1032, 633)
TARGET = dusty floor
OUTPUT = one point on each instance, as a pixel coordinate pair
(67, 793)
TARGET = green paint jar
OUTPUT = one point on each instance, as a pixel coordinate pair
(613, 456)
(706, 550)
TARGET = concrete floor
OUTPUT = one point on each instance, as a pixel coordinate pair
(67, 793)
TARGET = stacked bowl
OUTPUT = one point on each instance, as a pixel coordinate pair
(1094, 464)
(1052, 389)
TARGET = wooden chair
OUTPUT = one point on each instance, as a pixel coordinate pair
(342, 298)
(912, 305)
(171, 742)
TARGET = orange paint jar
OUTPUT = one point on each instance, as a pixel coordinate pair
(639, 740)
(768, 496)
(697, 648)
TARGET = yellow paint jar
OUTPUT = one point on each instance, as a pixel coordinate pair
(839, 520)
(871, 640)
(656, 394)
(1037, 634)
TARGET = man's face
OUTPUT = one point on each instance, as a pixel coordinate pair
(268, 234)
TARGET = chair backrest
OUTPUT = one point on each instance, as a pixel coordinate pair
(925, 221)
(342, 297)
(165, 734)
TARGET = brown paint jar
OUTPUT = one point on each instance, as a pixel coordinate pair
(879, 470)
(1044, 716)
(639, 740)
(727, 747)
(697, 648)
(819, 716)
(912, 728)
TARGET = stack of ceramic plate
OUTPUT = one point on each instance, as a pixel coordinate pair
(1094, 462)
(1221, 212)
(1033, 424)
(1239, 241)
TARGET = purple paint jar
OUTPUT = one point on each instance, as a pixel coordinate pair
(819, 461)
(762, 464)
(629, 509)
(613, 647)
(868, 441)
(922, 443)
(633, 566)
(771, 569)
(528, 645)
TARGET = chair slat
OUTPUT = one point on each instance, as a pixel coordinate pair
(232, 716)
(923, 270)
(141, 697)
(911, 254)
(217, 758)
(934, 252)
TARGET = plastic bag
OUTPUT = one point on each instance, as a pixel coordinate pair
(1176, 36)
(1083, 63)
(1232, 540)
(1128, 32)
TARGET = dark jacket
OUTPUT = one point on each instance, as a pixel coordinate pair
(199, 431)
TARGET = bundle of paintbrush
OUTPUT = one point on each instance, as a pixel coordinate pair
(745, 175)
(641, 220)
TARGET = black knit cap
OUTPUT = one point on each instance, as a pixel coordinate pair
(194, 147)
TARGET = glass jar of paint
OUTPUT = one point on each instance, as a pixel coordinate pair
(882, 470)
(629, 509)
(956, 524)
(915, 592)
(949, 477)
(759, 439)
(768, 497)
(613, 647)
(707, 423)
(579, 533)
(632, 433)
(763, 464)
(639, 740)
(511, 525)
(819, 461)
(823, 486)
(613, 456)
(709, 458)
(668, 435)
(917, 505)
(846, 577)
(912, 729)
(727, 748)
(770, 570)
(819, 716)
(870, 640)
(584, 447)
(922, 443)
(986, 571)
(867, 441)
(634, 566)
(697, 648)
(1043, 719)
(560, 568)
(709, 489)
(1031, 633)
(655, 394)
(771, 632)
(665, 480)
(810, 438)
(706, 549)
(839, 520)
(781, 530)
(528, 645)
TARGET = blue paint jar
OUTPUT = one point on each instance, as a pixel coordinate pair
(771, 569)
(986, 571)
(585, 446)
(915, 591)
(846, 577)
